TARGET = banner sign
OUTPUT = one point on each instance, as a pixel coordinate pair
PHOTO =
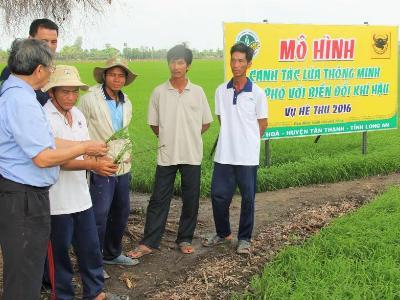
(321, 79)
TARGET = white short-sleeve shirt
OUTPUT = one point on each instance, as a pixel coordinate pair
(70, 194)
(239, 136)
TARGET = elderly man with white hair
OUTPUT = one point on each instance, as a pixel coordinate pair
(29, 160)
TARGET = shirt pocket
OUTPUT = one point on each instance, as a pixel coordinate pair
(193, 110)
(193, 105)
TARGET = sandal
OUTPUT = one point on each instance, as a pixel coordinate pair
(110, 296)
(214, 240)
(244, 247)
(186, 247)
(139, 251)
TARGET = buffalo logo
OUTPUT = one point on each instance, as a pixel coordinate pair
(380, 44)
(249, 38)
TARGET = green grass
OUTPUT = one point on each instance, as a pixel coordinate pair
(295, 161)
(356, 257)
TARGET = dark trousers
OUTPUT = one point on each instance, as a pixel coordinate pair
(111, 205)
(224, 182)
(24, 234)
(78, 229)
(158, 208)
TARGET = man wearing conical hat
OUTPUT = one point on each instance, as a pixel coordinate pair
(108, 110)
(72, 217)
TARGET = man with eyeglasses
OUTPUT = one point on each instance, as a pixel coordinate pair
(107, 110)
(44, 30)
(29, 160)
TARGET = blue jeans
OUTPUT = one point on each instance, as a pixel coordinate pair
(111, 205)
(224, 182)
(78, 229)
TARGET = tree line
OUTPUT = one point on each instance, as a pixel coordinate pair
(76, 52)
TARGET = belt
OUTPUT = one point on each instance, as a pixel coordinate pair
(7, 185)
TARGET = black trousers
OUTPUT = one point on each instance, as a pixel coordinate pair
(158, 208)
(24, 235)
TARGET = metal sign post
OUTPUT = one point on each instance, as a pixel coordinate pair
(267, 154)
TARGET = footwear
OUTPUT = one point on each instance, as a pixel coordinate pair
(110, 296)
(139, 251)
(45, 291)
(186, 247)
(244, 247)
(214, 240)
(44, 296)
(121, 260)
(105, 275)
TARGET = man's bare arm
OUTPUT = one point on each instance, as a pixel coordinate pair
(54, 157)
(102, 166)
(262, 124)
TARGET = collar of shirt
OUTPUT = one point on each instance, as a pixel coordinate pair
(248, 87)
(121, 96)
(14, 81)
(50, 107)
(187, 87)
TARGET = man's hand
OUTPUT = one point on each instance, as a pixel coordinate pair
(104, 166)
(94, 148)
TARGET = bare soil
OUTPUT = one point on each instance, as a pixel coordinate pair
(283, 217)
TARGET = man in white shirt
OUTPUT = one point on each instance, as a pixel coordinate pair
(178, 115)
(241, 107)
(72, 217)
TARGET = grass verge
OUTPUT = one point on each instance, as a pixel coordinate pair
(356, 257)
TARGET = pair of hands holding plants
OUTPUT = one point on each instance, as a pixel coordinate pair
(100, 163)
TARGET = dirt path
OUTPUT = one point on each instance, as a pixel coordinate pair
(282, 217)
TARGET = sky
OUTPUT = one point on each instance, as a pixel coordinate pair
(165, 23)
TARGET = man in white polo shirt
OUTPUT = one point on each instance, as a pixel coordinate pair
(178, 114)
(72, 217)
(241, 107)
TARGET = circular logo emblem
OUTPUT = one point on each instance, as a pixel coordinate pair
(380, 43)
(250, 39)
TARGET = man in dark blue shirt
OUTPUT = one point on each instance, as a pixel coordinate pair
(45, 30)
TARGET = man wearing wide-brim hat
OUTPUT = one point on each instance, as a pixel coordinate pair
(108, 110)
(72, 216)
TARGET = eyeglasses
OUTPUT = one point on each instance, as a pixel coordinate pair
(51, 68)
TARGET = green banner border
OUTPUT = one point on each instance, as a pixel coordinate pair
(325, 129)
